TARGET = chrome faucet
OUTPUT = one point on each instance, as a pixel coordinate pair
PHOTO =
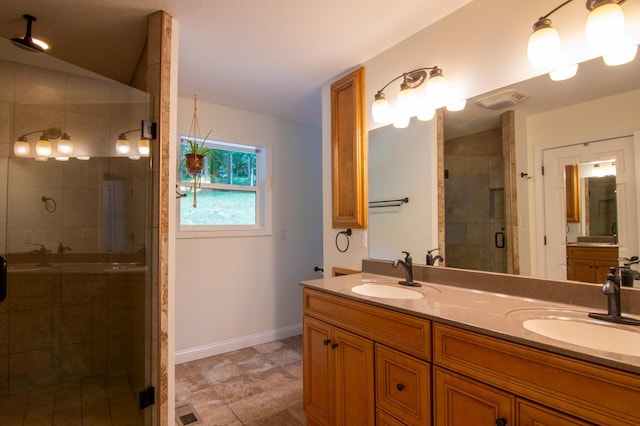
(407, 263)
(431, 259)
(611, 289)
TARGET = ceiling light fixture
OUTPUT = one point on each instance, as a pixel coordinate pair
(604, 31)
(437, 94)
(28, 42)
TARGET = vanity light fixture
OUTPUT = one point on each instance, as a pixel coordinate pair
(21, 147)
(604, 32)
(28, 41)
(147, 132)
(437, 94)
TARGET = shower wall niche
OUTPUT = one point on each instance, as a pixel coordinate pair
(75, 231)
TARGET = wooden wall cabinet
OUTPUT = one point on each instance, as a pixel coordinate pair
(590, 264)
(349, 152)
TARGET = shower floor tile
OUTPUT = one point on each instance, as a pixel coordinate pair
(102, 400)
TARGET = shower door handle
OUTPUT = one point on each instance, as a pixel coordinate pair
(3, 279)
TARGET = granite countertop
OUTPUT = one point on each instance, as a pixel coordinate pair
(493, 314)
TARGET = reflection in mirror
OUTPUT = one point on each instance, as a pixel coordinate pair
(398, 168)
(591, 191)
(533, 98)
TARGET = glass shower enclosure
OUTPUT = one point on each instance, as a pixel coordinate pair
(75, 231)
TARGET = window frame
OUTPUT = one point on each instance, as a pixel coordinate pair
(262, 190)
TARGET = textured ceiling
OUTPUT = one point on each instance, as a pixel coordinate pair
(267, 56)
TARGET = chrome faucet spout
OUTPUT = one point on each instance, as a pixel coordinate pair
(407, 263)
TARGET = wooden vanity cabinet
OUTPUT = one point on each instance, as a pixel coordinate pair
(378, 373)
(566, 391)
(590, 264)
(338, 376)
(394, 369)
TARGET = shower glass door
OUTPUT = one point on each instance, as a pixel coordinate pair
(75, 327)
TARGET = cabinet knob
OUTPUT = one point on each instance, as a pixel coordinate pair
(501, 421)
(400, 387)
(326, 342)
(334, 345)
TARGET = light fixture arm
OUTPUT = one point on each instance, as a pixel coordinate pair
(47, 133)
(412, 79)
(591, 4)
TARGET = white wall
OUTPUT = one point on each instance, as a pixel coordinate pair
(239, 291)
(482, 46)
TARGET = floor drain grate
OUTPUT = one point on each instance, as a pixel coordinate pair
(186, 415)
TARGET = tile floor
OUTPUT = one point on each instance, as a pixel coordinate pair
(260, 385)
(98, 401)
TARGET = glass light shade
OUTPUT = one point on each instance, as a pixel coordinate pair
(134, 157)
(62, 158)
(456, 101)
(620, 55)
(122, 145)
(437, 91)
(43, 148)
(42, 158)
(65, 146)
(564, 73)
(425, 113)
(544, 47)
(21, 147)
(144, 147)
(407, 102)
(604, 28)
(83, 158)
(381, 110)
(401, 121)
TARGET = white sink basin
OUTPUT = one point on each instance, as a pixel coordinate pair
(386, 291)
(588, 334)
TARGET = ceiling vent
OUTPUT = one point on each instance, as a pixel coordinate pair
(505, 99)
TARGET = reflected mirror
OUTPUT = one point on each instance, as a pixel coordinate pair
(590, 191)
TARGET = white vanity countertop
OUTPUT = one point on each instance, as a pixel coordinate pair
(493, 314)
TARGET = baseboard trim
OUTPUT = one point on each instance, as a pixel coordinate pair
(217, 348)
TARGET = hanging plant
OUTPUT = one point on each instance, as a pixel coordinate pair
(196, 152)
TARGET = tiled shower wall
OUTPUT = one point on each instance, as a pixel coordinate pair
(474, 201)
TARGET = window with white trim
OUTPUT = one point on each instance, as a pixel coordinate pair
(231, 196)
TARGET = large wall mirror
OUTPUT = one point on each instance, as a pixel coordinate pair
(529, 98)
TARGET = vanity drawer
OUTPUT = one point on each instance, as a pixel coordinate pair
(403, 386)
(403, 332)
(569, 385)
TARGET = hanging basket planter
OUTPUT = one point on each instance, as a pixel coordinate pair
(194, 163)
(196, 152)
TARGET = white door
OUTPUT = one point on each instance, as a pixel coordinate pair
(554, 160)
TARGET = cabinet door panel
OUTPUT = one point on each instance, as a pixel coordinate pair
(316, 363)
(459, 401)
(354, 380)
